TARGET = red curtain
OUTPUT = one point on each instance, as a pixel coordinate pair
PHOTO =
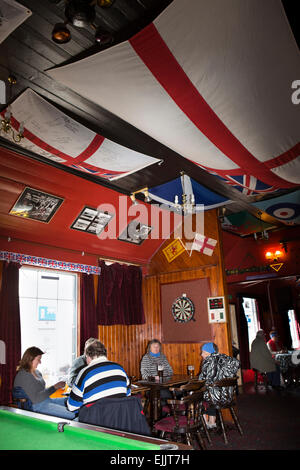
(10, 330)
(88, 320)
(119, 299)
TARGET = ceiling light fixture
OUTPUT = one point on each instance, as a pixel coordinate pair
(82, 14)
(105, 3)
(144, 191)
(61, 34)
(187, 199)
(6, 124)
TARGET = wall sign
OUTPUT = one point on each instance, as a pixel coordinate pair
(216, 310)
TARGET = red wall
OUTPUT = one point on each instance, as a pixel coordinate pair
(242, 253)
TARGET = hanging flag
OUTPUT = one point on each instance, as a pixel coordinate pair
(203, 244)
(182, 80)
(174, 249)
(55, 136)
(12, 14)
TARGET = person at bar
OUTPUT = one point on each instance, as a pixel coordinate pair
(274, 344)
(261, 359)
(78, 364)
(101, 378)
(30, 379)
(216, 366)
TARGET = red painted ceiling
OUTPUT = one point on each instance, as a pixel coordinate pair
(17, 172)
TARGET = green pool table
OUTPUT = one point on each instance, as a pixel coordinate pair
(25, 430)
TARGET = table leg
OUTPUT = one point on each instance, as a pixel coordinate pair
(154, 406)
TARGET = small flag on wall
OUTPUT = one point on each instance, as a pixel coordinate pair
(203, 244)
(174, 249)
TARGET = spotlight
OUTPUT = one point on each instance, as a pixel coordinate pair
(103, 37)
(134, 201)
(105, 3)
(61, 34)
(79, 13)
(147, 196)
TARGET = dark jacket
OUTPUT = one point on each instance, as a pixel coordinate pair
(214, 368)
(124, 414)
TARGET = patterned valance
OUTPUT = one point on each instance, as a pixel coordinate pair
(48, 263)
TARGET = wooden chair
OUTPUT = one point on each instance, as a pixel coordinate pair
(20, 399)
(183, 390)
(226, 383)
(186, 425)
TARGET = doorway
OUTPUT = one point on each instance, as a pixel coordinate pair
(251, 314)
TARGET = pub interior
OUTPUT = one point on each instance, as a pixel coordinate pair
(176, 223)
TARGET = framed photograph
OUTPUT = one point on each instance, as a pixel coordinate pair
(36, 205)
(91, 220)
(135, 233)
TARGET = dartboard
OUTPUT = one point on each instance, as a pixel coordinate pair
(183, 309)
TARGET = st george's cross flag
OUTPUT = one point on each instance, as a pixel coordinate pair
(184, 80)
(203, 244)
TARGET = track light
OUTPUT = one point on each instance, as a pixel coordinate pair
(132, 197)
(143, 191)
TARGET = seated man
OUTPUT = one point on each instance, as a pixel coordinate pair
(78, 364)
(101, 378)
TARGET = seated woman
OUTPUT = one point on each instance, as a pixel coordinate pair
(216, 366)
(30, 379)
(152, 359)
(149, 366)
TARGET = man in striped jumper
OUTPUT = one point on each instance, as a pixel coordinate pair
(101, 378)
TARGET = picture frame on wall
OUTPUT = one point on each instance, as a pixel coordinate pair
(36, 205)
(90, 220)
(135, 233)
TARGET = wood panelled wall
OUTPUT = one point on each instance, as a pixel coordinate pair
(127, 344)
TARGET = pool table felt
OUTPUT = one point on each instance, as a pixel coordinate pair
(23, 432)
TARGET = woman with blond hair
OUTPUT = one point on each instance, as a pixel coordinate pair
(30, 379)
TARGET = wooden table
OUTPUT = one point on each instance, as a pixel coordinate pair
(155, 386)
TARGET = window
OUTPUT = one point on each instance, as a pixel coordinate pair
(250, 309)
(48, 312)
